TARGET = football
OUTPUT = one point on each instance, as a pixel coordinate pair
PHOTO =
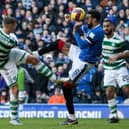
(78, 14)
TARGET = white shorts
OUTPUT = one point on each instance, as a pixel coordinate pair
(9, 71)
(79, 68)
(74, 52)
(117, 77)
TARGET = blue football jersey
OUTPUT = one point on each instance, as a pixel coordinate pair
(91, 44)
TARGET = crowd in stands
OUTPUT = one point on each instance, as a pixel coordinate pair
(42, 21)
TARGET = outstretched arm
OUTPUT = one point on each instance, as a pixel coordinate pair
(79, 28)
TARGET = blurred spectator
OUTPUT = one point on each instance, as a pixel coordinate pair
(126, 32)
(48, 58)
(121, 15)
(10, 12)
(98, 97)
(86, 82)
(97, 79)
(60, 59)
(4, 97)
(28, 15)
(82, 97)
(37, 28)
(28, 45)
(41, 83)
(46, 37)
(45, 98)
(27, 4)
(57, 98)
(88, 5)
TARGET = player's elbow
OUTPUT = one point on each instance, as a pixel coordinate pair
(32, 60)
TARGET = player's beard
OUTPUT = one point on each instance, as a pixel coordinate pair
(90, 25)
(108, 33)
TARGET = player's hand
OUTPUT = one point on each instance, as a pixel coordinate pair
(113, 58)
(77, 26)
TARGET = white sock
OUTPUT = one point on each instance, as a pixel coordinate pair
(72, 116)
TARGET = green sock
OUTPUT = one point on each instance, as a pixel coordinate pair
(113, 107)
(44, 69)
(14, 109)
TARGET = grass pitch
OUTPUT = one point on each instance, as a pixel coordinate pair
(55, 124)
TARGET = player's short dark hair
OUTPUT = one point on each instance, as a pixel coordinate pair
(95, 14)
(108, 20)
(9, 20)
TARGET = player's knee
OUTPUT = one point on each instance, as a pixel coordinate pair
(21, 97)
(126, 91)
(14, 93)
(14, 90)
(110, 92)
(69, 84)
(32, 60)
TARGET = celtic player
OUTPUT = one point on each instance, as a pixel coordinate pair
(115, 73)
(10, 57)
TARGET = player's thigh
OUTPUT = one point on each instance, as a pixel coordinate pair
(74, 52)
(77, 67)
(109, 78)
(122, 77)
(9, 72)
(18, 56)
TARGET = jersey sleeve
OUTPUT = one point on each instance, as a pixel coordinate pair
(14, 38)
(88, 39)
(84, 28)
(91, 37)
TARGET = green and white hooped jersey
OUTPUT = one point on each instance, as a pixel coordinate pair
(111, 47)
(6, 43)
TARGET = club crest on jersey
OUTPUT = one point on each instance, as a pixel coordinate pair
(91, 35)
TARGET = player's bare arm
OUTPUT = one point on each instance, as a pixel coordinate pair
(121, 55)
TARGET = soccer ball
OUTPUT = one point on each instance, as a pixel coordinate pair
(78, 14)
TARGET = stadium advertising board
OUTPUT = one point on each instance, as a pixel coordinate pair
(59, 111)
